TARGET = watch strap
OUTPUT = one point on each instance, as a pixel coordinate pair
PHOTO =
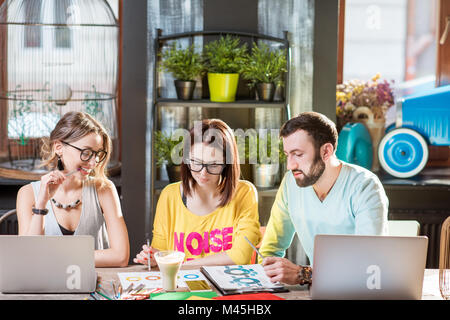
(42, 212)
(305, 275)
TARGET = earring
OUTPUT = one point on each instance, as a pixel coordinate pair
(60, 164)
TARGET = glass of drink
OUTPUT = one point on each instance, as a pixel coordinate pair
(169, 263)
(444, 283)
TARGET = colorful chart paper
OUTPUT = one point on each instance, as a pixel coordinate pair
(152, 279)
(237, 277)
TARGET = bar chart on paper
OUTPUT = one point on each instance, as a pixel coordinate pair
(152, 279)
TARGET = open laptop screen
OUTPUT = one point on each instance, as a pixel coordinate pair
(368, 267)
(47, 264)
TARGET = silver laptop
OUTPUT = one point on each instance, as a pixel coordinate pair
(47, 264)
(368, 267)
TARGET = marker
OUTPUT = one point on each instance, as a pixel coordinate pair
(254, 248)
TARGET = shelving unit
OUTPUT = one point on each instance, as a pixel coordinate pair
(160, 103)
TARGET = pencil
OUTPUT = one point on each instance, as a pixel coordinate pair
(103, 295)
(113, 285)
(139, 288)
(254, 248)
(120, 291)
(148, 254)
(130, 287)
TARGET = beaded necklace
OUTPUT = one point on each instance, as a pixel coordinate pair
(66, 206)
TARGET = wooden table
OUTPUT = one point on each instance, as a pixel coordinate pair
(430, 287)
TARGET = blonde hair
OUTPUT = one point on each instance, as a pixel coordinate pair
(72, 127)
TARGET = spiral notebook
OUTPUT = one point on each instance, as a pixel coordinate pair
(236, 279)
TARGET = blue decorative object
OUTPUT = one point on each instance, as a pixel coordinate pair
(422, 119)
(355, 145)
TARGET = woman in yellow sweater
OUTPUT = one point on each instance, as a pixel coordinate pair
(207, 214)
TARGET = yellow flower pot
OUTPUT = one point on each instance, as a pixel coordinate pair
(223, 86)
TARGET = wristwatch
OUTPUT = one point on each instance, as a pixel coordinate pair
(305, 275)
(42, 212)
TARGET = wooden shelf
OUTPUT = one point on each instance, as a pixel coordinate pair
(204, 103)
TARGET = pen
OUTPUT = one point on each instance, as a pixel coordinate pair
(148, 254)
(72, 172)
(254, 248)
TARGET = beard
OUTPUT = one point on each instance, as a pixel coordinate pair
(314, 174)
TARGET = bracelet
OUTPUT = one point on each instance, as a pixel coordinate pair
(42, 212)
(305, 275)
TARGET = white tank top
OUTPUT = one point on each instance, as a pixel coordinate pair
(91, 221)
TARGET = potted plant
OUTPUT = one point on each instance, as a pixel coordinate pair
(224, 59)
(185, 65)
(265, 69)
(264, 157)
(165, 153)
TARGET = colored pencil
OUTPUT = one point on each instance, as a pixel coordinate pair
(103, 295)
(254, 248)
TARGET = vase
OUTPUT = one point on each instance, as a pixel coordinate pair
(376, 128)
(174, 172)
(223, 86)
(265, 91)
(265, 175)
(185, 89)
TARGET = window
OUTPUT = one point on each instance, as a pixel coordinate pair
(33, 33)
(394, 38)
(63, 36)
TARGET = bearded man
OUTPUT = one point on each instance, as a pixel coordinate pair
(319, 194)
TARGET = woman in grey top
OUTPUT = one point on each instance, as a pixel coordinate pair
(76, 198)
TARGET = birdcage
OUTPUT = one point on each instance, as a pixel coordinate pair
(55, 56)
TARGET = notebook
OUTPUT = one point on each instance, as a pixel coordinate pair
(47, 264)
(235, 279)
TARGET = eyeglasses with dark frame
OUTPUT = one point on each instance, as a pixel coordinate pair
(86, 154)
(211, 168)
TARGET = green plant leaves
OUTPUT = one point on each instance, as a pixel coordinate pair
(164, 146)
(225, 55)
(265, 65)
(183, 64)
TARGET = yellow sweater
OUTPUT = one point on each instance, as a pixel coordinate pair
(175, 227)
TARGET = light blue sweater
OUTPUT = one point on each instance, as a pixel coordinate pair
(356, 204)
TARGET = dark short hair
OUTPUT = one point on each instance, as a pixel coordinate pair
(321, 129)
(227, 142)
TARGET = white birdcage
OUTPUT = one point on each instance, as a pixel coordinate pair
(55, 56)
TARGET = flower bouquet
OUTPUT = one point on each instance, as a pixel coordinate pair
(375, 94)
(365, 102)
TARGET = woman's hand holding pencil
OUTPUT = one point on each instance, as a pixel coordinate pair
(143, 256)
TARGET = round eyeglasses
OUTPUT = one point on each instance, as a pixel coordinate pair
(211, 168)
(87, 154)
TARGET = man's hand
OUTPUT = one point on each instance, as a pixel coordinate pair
(281, 270)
